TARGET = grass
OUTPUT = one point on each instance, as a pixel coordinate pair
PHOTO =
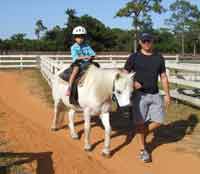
(182, 127)
(37, 85)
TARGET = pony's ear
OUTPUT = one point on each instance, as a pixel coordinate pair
(132, 75)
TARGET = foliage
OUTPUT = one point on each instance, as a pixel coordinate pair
(185, 18)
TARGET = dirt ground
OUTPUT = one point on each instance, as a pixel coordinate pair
(26, 113)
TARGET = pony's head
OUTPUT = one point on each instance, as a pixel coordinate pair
(123, 88)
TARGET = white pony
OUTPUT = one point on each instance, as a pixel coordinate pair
(95, 97)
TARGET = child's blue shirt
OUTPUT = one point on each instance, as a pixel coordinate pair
(81, 50)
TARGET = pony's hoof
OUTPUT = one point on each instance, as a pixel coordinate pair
(106, 154)
(54, 129)
(75, 136)
(88, 148)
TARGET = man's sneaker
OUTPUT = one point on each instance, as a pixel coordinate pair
(145, 156)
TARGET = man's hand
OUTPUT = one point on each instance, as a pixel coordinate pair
(137, 85)
(167, 100)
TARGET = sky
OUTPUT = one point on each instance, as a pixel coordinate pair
(20, 16)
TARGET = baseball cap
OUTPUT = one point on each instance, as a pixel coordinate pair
(146, 36)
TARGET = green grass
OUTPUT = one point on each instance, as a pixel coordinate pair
(38, 85)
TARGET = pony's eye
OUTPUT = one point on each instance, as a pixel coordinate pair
(118, 92)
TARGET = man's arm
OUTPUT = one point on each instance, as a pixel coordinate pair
(165, 85)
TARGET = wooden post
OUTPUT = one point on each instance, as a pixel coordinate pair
(168, 73)
(21, 62)
(177, 58)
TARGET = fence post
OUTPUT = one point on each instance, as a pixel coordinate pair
(177, 58)
(168, 73)
(21, 62)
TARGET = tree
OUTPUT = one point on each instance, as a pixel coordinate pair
(1, 45)
(39, 28)
(57, 35)
(18, 36)
(163, 37)
(99, 36)
(139, 11)
(183, 15)
(194, 35)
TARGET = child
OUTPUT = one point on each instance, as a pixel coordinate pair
(81, 53)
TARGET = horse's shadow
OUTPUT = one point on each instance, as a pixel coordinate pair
(121, 125)
(173, 132)
(43, 159)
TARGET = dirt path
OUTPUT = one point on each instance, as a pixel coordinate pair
(29, 120)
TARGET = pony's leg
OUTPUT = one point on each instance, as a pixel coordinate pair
(71, 115)
(105, 118)
(87, 128)
(54, 126)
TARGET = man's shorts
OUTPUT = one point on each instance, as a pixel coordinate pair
(148, 107)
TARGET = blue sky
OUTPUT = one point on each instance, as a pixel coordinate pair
(20, 16)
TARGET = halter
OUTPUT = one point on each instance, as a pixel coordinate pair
(114, 98)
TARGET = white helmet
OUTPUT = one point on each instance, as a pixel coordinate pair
(79, 31)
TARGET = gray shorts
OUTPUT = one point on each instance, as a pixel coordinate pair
(148, 107)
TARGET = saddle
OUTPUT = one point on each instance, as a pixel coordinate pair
(73, 98)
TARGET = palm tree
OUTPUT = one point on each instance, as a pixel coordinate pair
(39, 28)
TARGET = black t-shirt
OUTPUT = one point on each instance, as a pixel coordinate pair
(147, 69)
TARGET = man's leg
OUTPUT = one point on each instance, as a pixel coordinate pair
(140, 111)
(142, 133)
(140, 130)
(152, 126)
(156, 113)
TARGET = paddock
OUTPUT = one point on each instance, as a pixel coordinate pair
(26, 107)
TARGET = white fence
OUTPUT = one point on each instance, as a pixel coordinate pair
(18, 61)
(49, 67)
(50, 64)
(31, 61)
(185, 80)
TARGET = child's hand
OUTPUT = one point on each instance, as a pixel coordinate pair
(84, 58)
(91, 58)
(87, 58)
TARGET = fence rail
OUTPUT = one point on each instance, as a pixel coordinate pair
(27, 61)
(18, 61)
(50, 64)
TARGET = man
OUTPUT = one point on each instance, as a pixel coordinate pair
(148, 105)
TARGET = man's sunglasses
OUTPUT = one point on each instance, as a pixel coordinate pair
(146, 41)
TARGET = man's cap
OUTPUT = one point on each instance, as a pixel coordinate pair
(146, 36)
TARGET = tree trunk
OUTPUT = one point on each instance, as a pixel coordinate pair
(135, 34)
(135, 42)
(195, 48)
(136, 39)
(182, 44)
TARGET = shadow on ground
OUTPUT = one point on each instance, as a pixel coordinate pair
(173, 132)
(43, 160)
(122, 125)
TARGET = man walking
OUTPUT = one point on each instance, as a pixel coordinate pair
(148, 105)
